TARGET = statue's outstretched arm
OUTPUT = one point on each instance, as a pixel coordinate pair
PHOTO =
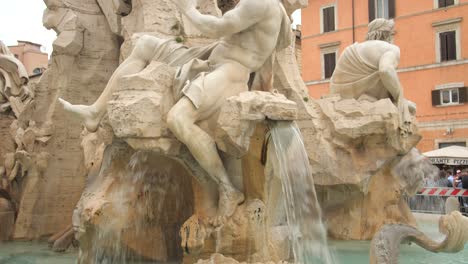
(388, 74)
(243, 16)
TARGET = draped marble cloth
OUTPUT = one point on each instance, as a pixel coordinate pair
(13, 75)
(354, 76)
(193, 63)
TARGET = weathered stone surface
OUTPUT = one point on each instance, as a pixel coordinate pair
(69, 42)
(114, 10)
(358, 138)
(218, 259)
(7, 219)
(241, 113)
(120, 208)
(243, 237)
(16, 137)
(50, 172)
(139, 108)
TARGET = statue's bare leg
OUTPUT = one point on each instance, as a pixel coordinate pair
(139, 58)
(181, 121)
(226, 81)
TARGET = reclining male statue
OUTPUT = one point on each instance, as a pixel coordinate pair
(370, 68)
(249, 34)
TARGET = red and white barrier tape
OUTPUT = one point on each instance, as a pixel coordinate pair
(441, 191)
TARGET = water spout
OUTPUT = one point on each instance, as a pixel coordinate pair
(303, 213)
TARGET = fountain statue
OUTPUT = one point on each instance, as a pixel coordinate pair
(369, 68)
(385, 246)
(206, 77)
(179, 154)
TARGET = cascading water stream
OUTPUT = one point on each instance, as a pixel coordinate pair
(303, 213)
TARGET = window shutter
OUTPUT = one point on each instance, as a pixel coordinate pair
(391, 9)
(330, 61)
(331, 18)
(443, 46)
(445, 3)
(462, 95)
(371, 10)
(435, 97)
(451, 46)
(326, 26)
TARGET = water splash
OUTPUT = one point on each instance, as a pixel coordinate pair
(303, 213)
(137, 205)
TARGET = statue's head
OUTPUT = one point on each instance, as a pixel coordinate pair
(381, 29)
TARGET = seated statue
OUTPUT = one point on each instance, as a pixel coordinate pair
(369, 68)
(248, 36)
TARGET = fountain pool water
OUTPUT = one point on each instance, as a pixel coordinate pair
(346, 252)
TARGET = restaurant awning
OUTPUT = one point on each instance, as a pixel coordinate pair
(453, 155)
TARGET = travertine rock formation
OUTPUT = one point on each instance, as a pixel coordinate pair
(51, 164)
(352, 147)
(17, 137)
(136, 181)
(218, 258)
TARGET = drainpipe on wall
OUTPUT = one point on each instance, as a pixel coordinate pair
(354, 38)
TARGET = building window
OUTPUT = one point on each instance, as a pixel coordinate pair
(448, 144)
(328, 18)
(381, 9)
(328, 57)
(449, 94)
(328, 15)
(448, 47)
(447, 38)
(445, 3)
(329, 64)
(37, 70)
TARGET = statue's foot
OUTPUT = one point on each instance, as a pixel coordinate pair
(87, 113)
(227, 205)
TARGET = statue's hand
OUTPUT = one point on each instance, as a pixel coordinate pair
(184, 5)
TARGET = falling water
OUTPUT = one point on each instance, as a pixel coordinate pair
(140, 206)
(303, 213)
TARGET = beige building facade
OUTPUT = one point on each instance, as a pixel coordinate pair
(31, 56)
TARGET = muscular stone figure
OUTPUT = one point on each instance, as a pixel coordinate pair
(370, 68)
(249, 35)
